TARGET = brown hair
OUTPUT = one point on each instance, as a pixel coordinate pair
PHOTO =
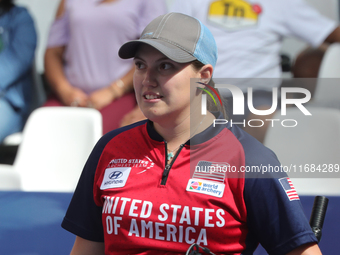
(5, 5)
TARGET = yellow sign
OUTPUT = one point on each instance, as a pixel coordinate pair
(233, 14)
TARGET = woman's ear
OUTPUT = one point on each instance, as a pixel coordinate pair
(206, 73)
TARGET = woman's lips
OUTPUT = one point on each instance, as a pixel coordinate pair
(148, 96)
(151, 96)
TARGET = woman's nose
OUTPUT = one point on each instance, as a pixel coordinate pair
(149, 78)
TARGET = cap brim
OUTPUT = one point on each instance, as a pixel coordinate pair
(129, 50)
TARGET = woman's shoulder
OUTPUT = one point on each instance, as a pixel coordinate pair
(255, 152)
(126, 131)
(19, 13)
(16, 9)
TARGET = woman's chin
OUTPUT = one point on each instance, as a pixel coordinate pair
(155, 116)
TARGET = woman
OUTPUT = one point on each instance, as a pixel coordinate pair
(158, 186)
(81, 61)
(17, 46)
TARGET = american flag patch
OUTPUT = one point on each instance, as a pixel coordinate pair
(213, 171)
(288, 187)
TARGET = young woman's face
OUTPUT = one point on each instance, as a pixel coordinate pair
(162, 86)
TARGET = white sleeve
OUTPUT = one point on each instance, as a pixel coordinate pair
(181, 6)
(306, 23)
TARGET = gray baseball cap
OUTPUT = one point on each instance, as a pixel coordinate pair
(180, 37)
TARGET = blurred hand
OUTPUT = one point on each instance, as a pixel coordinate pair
(132, 117)
(74, 97)
(101, 98)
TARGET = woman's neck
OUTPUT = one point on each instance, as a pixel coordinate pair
(179, 133)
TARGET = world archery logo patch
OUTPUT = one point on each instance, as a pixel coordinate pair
(195, 185)
(210, 188)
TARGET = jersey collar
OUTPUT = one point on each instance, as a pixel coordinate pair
(202, 137)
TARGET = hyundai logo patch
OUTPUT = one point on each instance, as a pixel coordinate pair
(115, 175)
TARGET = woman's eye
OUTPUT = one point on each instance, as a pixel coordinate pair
(139, 65)
(165, 66)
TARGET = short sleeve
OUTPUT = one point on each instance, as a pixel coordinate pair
(59, 33)
(275, 215)
(306, 23)
(83, 216)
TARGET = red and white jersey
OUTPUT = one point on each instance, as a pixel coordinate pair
(208, 195)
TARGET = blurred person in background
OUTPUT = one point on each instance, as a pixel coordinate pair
(18, 41)
(81, 61)
(249, 35)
